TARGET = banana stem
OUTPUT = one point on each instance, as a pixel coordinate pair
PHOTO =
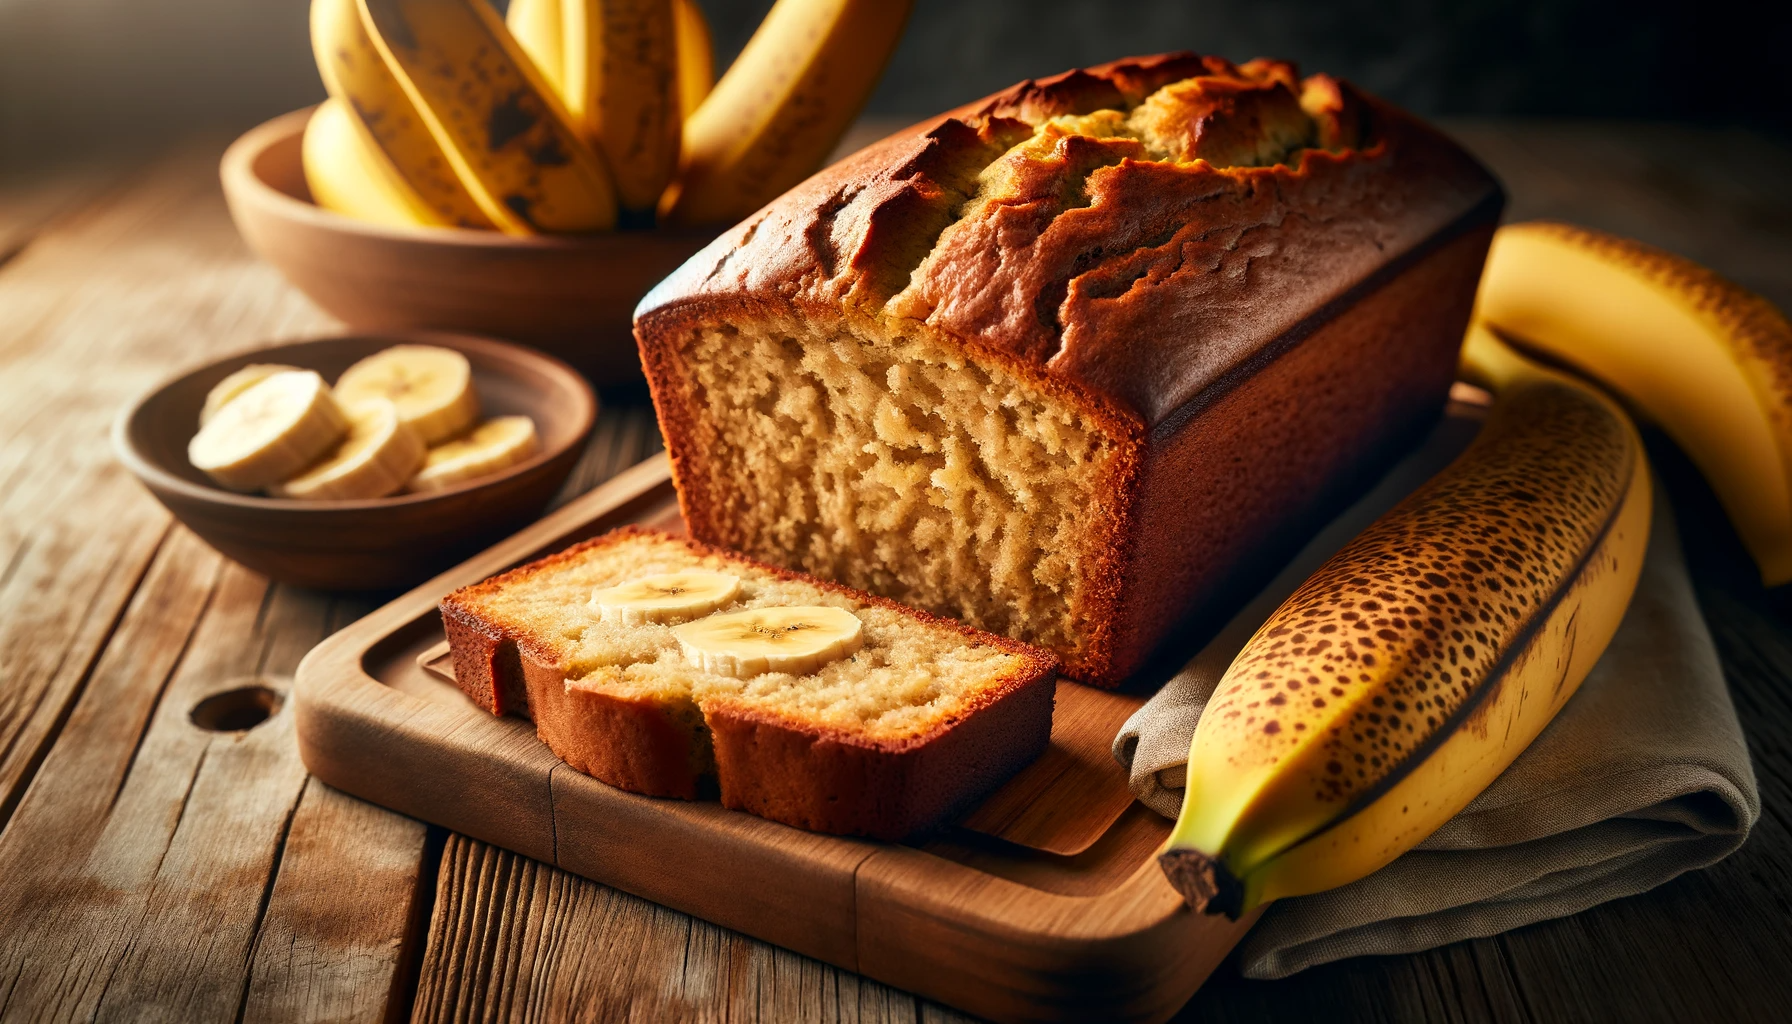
(1206, 884)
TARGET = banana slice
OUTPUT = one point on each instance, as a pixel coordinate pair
(235, 384)
(493, 445)
(274, 429)
(432, 387)
(667, 597)
(795, 640)
(378, 456)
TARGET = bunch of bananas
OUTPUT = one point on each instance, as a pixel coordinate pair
(574, 116)
(1424, 656)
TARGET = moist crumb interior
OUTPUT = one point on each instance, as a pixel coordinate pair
(894, 464)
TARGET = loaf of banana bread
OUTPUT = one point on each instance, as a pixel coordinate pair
(653, 664)
(1077, 361)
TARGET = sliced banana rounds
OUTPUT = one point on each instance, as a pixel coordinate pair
(237, 383)
(491, 446)
(667, 597)
(797, 640)
(376, 459)
(269, 432)
(432, 388)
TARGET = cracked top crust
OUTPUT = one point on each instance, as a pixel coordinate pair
(1134, 230)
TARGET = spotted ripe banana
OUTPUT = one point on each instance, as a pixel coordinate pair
(781, 106)
(1424, 656)
(620, 68)
(498, 121)
(429, 192)
(1707, 360)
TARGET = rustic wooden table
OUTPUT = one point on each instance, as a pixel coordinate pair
(155, 870)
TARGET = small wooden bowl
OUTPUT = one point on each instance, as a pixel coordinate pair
(380, 543)
(573, 296)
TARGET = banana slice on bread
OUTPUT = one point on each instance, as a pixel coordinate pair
(796, 640)
(493, 445)
(667, 597)
(377, 457)
(431, 386)
(271, 431)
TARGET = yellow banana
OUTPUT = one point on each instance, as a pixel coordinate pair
(498, 121)
(1707, 360)
(1424, 656)
(354, 73)
(696, 55)
(621, 87)
(536, 26)
(348, 174)
(782, 105)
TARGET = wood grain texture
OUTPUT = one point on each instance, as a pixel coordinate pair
(142, 856)
(344, 920)
(31, 200)
(516, 940)
(76, 533)
(141, 850)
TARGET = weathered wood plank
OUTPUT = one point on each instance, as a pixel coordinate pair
(143, 859)
(102, 305)
(146, 854)
(516, 940)
(78, 875)
(344, 921)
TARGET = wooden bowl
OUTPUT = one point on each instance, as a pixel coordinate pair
(573, 296)
(379, 543)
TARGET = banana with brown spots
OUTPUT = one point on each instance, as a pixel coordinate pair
(620, 83)
(395, 139)
(1424, 656)
(499, 122)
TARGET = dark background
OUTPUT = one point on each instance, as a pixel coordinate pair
(80, 75)
(1653, 59)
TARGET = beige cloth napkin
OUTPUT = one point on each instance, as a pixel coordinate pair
(1644, 774)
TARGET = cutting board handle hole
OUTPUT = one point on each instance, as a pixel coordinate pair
(237, 710)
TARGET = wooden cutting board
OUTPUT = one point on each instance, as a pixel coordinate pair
(1043, 903)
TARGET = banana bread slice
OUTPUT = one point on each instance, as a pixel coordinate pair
(1079, 361)
(926, 716)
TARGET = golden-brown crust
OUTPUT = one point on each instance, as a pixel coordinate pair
(485, 663)
(1143, 284)
(1133, 287)
(636, 744)
(829, 781)
(641, 746)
